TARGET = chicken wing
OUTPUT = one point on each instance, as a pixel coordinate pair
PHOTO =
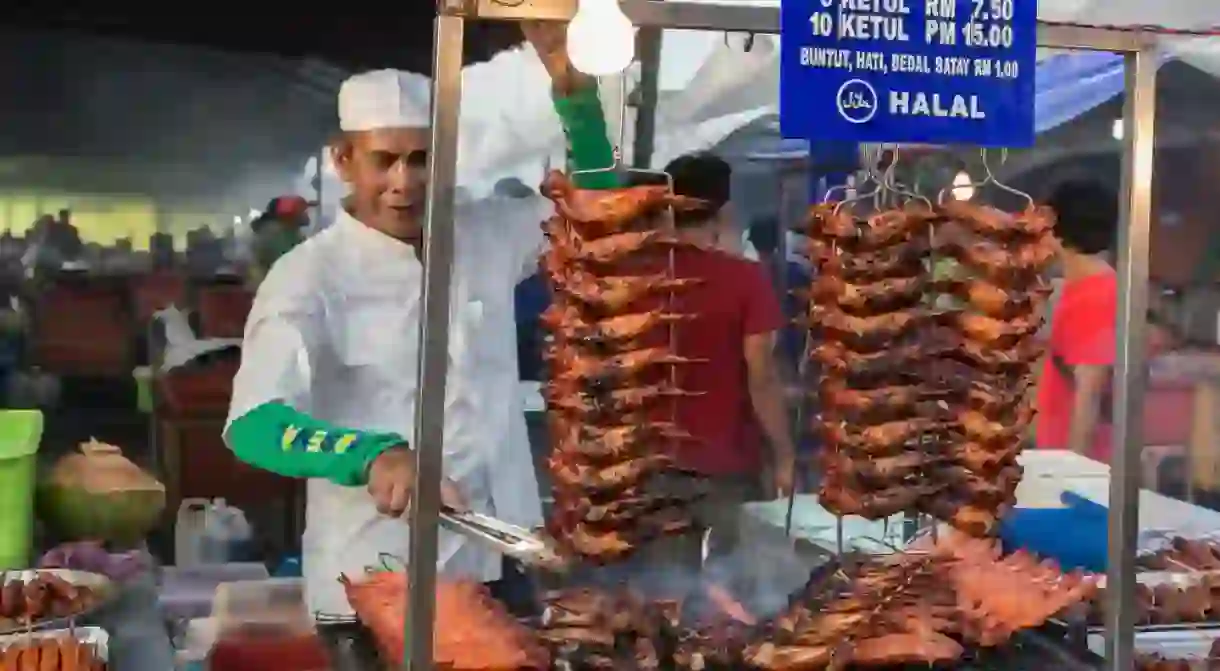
(613, 443)
(986, 220)
(568, 322)
(584, 477)
(613, 294)
(885, 295)
(567, 364)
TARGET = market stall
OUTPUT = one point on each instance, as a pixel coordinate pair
(1123, 499)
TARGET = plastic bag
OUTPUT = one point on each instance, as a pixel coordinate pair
(473, 632)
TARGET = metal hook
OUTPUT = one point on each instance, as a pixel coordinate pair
(747, 47)
(901, 189)
(991, 178)
(870, 167)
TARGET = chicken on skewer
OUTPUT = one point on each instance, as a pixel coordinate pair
(608, 249)
(614, 443)
(616, 477)
(885, 295)
(568, 322)
(574, 395)
(611, 294)
(995, 301)
(878, 231)
(568, 364)
(988, 221)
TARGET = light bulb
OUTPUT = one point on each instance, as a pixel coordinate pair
(962, 188)
(1117, 130)
(601, 39)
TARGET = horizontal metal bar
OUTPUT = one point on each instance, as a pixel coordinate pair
(1094, 39)
(759, 19)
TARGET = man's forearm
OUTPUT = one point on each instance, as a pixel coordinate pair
(277, 438)
(1085, 413)
(584, 126)
(767, 398)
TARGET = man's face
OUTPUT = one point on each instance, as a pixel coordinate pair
(387, 172)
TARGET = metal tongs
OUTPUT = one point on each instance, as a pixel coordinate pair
(510, 540)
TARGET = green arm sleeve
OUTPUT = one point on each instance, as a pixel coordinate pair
(589, 148)
(277, 438)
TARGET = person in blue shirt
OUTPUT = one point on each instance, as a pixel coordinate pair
(764, 237)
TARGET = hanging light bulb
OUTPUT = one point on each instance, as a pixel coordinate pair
(601, 39)
(962, 188)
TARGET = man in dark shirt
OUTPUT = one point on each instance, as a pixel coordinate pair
(764, 237)
(739, 407)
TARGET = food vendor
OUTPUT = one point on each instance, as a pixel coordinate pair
(326, 389)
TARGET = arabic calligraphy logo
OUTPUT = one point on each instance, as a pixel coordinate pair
(857, 101)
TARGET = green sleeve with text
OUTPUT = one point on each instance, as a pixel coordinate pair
(277, 438)
(589, 148)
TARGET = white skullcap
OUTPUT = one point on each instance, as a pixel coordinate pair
(384, 99)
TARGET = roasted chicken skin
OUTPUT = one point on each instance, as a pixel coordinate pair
(988, 221)
(570, 323)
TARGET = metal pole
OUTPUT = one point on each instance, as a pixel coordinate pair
(1139, 115)
(438, 248)
(649, 41)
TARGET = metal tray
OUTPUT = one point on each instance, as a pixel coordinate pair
(103, 587)
(1190, 645)
(95, 636)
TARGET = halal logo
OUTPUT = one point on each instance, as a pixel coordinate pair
(857, 101)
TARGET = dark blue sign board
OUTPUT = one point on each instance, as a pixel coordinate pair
(928, 71)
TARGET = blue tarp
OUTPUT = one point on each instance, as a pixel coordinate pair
(1069, 85)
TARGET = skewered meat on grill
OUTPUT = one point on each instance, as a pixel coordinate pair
(900, 261)
(600, 212)
(575, 396)
(608, 249)
(1184, 554)
(568, 322)
(588, 478)
(891, 293)
(609, 295)
(606, 359)
(610, 443)
(880, 230)
(877, 439)
(988, 221)
(999, 260)
(569, 364)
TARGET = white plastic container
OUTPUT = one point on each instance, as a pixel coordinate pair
(209, 531)
(189, 531)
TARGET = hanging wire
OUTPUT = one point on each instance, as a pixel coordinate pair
(870, 169)
(991, 178)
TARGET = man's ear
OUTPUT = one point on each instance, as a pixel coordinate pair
(341, 157)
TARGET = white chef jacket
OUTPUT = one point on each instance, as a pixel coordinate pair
(334, 333)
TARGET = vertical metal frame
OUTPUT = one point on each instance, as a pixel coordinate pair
(1139, 119)
(1134, 229)
(438, 253)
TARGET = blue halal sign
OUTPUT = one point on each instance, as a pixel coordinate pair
(934, 71)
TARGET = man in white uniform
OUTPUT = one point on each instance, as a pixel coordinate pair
(326, 389)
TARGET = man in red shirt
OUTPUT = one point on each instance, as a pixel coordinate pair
(740, 405)
(1074, 387)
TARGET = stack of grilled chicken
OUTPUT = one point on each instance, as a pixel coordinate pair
(609, 390)
(922, 323)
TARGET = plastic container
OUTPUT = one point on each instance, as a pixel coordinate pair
(262, 625)
(209, 531)
(188, 592)
(20, 434)
(143, 376)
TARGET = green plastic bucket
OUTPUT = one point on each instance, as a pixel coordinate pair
(20, 433)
